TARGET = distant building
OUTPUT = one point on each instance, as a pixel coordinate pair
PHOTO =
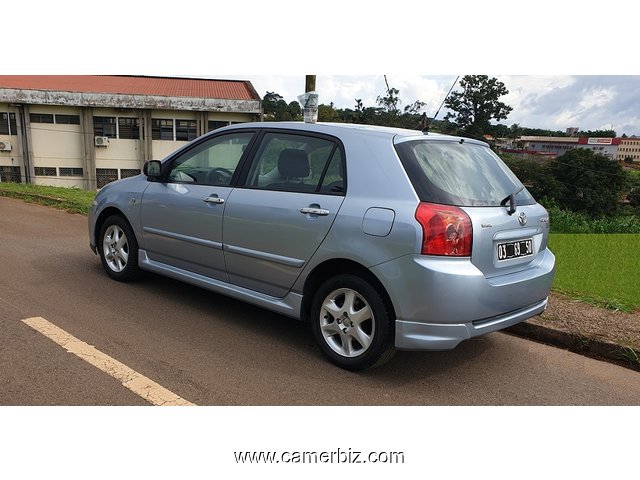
(85, 131)
(572, 131)
(629, 148)
(557, 146)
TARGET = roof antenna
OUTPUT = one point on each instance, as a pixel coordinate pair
(427, 121)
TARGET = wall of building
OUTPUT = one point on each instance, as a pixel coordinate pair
(629, 147)
(56, 147)
(58, 150)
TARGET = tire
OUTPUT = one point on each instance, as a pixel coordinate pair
(118, 249)
(352, 323)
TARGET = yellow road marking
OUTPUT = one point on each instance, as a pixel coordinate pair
(134, 381)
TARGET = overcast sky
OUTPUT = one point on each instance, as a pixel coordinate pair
(555, 102)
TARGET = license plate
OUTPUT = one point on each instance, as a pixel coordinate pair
(509, 250)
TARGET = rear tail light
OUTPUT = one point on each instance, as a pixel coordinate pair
(446, 230)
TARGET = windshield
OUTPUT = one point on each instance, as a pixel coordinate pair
(459, 173)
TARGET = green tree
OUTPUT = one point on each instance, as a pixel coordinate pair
(277, 109)
(473, 108)
(585, 181)
(597, 133)
(328, 113)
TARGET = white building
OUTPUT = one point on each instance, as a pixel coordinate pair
(85, 131)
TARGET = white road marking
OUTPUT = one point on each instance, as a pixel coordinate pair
(134, 381)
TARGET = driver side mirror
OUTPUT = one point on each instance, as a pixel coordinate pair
(152, 169)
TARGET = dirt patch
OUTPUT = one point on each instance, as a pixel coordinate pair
(589, 321)
(613, 336)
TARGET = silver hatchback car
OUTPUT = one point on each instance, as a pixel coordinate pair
(380, 238)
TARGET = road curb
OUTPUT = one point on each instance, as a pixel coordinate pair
(581, 344)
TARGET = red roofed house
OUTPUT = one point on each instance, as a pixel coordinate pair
(85, 131)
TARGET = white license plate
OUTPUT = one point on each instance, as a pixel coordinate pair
(520, 248)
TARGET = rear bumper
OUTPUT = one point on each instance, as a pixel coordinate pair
(440, 302)
(428, 336)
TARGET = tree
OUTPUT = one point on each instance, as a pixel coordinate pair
(587, 182)
(276, 108)
(477, 104)
(597, 133)
(328, 113)
(390, 102)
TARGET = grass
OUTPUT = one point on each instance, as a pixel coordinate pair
(73, 200)
(601, 269)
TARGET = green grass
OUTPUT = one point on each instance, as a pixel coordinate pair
(72, 200)
(602, 269)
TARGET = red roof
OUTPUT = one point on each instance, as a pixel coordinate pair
(134, 85)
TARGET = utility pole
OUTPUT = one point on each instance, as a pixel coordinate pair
(310, 83)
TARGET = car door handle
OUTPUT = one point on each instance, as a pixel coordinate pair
(314, 211)
(212, 199)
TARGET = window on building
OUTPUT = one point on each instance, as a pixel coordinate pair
(45, 171)
(8, 124)
(213, 124)
(41, 117)
(10, 174)
(104, 126)
(129, 172)
(68, 119)
(106, 175)
(186, 130)
(71, 172)
(129, 128)
(161, 129)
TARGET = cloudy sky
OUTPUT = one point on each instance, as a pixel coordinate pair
(555, 102)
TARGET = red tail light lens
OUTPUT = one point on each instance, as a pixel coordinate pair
(446, 230)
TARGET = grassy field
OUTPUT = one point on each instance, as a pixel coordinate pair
(600, 268)
(70, 199)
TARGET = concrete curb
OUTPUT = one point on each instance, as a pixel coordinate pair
(583, 345)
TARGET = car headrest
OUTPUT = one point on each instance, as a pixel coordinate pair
(293, 163)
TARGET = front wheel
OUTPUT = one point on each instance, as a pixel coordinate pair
(352, 323)
(118, 249)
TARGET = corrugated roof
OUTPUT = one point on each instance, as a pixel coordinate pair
(134, 85)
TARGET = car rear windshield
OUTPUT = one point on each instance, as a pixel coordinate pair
(459, 173)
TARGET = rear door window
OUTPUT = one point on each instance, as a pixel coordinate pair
(459, 173)
(297, 163)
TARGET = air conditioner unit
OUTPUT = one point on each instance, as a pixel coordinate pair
(101, 141)
(5, 146)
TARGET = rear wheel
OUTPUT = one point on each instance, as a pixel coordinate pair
(118, 249)
(352, 323)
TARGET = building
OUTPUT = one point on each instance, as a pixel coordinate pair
(85, 131)
(556, 146)
(629, 148)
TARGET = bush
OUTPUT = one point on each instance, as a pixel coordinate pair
(566, 221)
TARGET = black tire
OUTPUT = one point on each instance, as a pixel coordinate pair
(352, 323)
(118, 249)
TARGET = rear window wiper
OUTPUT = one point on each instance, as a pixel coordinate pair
(511, 199)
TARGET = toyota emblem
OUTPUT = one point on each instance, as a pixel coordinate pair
(522, 218)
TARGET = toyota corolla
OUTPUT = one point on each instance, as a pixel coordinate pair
(382, 239)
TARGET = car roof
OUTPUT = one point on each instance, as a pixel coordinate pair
(340, 129)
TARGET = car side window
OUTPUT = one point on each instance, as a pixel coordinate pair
(297, 163)
(213, 162)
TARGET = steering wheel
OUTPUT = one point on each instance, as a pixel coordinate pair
(219, 176)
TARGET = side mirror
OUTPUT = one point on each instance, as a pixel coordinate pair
(152, 169)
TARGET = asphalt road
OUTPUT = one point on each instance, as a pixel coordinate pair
(211, 350)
